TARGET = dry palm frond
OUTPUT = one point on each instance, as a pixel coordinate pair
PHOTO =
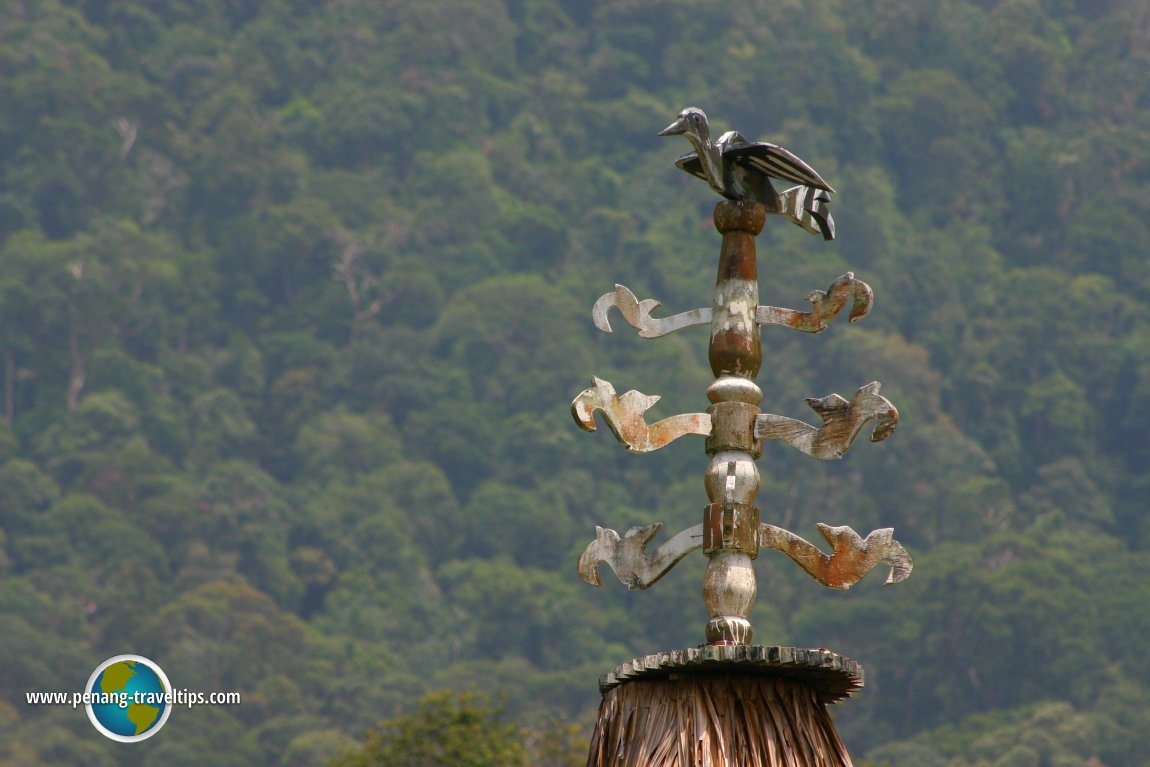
(715, 720)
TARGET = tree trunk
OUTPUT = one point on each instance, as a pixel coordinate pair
(9, 386)
(78, 372)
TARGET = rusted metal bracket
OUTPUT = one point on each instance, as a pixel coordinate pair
(842, 422)
(628, 556)
(638, 314)
(825, 306)
(624, 416)
(851, 558)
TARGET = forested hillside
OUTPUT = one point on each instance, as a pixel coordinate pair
(295, 295)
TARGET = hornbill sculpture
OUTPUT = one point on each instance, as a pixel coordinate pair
(741, 170)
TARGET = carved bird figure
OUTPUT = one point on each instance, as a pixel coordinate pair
(741, 170)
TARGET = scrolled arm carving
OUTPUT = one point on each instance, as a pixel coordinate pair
(624, 416)
(842, 422)
(638, 314)
(628, 556)
(851, 556)
(825, 306)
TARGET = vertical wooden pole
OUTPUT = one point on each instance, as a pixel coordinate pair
(731, 520)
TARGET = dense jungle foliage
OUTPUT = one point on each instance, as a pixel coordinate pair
(295, 295)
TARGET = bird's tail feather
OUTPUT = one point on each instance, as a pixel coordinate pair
(807, 207)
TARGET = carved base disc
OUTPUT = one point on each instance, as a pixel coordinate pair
(832, 676)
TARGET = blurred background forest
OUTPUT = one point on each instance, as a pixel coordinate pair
(294, 297)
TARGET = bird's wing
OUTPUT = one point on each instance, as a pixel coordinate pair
(690, 163)
(775, 162)
(732, 139)
(728, 141)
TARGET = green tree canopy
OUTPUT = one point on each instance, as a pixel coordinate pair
(447, 730)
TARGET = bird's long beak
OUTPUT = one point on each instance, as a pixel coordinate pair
(676, 128)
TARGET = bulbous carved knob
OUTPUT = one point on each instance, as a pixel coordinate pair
(743, 216)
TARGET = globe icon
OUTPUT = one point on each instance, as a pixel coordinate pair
(129, 698)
